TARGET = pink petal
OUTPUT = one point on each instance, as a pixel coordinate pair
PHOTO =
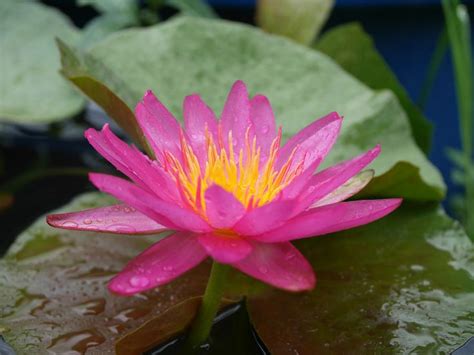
(225, 248)
(263, 120)
(294, 189)
(326, 181)
(330, 219)
(118, 219)
(280, 265)
(165, 213)
(159, 264)
(161, 129)
(223, 210)
(236, 116)
(103, 146)
(264, 218)
(312, 142)
(145, 172)
(197, 118)
(349, 189)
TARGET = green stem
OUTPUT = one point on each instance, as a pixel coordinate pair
(202, 324)
(433, 68)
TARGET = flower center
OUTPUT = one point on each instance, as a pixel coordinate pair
(242, 173)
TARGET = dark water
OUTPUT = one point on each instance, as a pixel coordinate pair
(232, 334)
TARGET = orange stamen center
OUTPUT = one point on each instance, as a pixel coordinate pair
(240, 173)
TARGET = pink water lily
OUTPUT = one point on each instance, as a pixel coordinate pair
(227, 189)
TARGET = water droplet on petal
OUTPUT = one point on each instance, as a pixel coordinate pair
(263, 269)
(88, 221)
(290, 256)
(265, 129)
(121, 228)
(71, 224)
(139, 281)
(167, 268)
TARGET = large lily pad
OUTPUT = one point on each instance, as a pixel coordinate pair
(53, 295)
(402, 284)
(188, 55)
(32, 90)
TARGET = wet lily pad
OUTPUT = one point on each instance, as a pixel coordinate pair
(402, 284)
(53, 295)
(32, 90)
(188, 55)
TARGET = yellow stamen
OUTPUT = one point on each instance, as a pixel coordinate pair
(241, 174)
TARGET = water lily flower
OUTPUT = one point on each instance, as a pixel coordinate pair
(227, 189)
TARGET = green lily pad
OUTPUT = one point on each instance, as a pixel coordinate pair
(353, 49)
(53, 294)
(402, 284)
(32, 90)
(188, 55)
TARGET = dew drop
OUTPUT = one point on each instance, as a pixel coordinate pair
(416, 267)
(124, 228)
(263, 269)
(139, 281)
(290, 256)
(167, 268)
(265, 129)
(88, 221)
(71, 224)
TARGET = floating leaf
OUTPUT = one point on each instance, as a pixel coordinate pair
(300, 21)
(31, 88)
(402, 284)
(52, 287)
(353, 49)
(188, 55)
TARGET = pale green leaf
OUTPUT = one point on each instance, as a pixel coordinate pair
(31, 89)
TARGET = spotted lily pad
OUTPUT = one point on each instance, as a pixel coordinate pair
(188, 55)
(402, 284)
